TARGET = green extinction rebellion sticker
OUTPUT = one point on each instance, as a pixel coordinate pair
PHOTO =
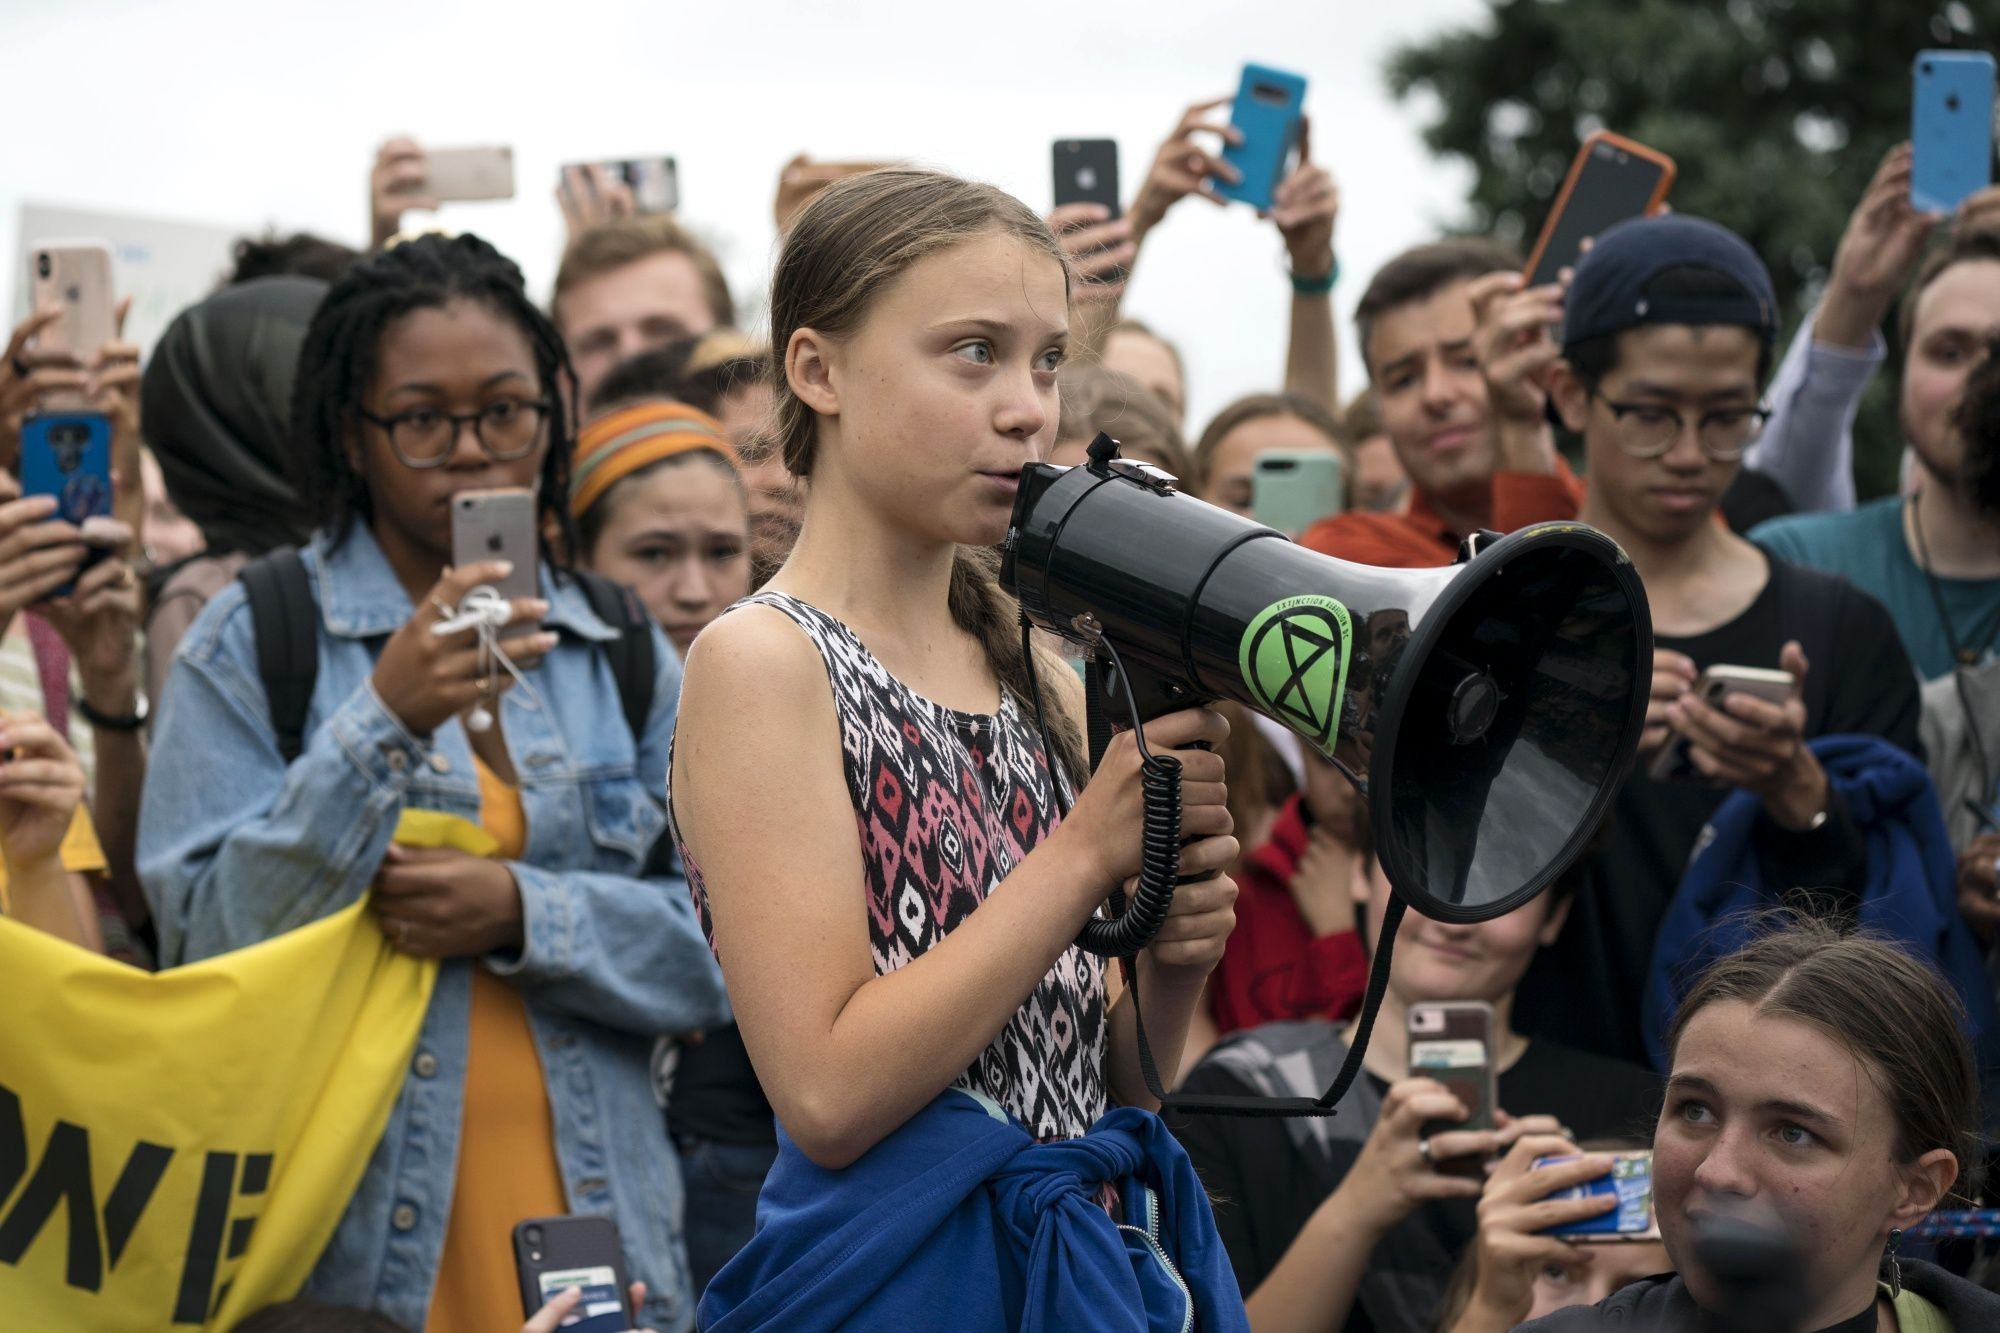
(1294, 659)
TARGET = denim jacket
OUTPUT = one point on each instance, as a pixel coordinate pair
(236, 847)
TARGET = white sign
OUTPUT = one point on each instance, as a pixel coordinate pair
(164, 266)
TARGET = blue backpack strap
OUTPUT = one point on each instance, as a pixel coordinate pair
(286, 620)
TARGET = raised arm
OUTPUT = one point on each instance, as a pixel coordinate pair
(1304, 209)
(1808, 444)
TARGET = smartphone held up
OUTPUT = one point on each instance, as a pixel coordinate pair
(1451, 1042)
(1270, 104)
(1611, 180)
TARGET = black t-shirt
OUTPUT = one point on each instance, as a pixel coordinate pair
(1586, 988)
(1265, 1177)
(716, 1094)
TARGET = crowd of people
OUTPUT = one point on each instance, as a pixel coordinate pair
(774, 963)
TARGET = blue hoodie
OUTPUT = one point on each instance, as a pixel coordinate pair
(1911, 894)
(961, 1220)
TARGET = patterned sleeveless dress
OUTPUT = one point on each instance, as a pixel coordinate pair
(946, 804)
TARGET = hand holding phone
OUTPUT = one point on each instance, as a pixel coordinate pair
(1951, 128)
(1452, 1044)
(1269, 104)
(593, 192)
(1088, 218)
(1611, 180)
(66, 457)
(555, 1255)
(1623, 1194)
(1675, 762)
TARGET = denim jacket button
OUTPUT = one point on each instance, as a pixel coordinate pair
(427, 1065)
(439, 763)
(404, 1218)
(397, 761)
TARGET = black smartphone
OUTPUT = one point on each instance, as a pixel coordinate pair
(553, 1254)
(1611, 180)
(1086, 172)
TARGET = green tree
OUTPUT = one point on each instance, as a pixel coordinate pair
(1776, 112)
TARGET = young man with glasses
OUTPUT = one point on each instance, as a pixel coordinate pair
(1665, 346)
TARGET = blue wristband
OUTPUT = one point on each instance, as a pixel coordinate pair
(1315, 286)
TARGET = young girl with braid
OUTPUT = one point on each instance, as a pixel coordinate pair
(870, 820)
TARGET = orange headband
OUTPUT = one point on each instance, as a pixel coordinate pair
(615, 444)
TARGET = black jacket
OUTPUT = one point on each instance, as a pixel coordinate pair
(1662, 1305)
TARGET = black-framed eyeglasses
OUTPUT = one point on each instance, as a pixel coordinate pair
(507, 429)
(1649, 430)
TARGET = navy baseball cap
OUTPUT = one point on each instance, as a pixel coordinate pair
(1614, 287)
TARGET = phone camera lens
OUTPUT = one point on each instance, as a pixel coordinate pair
(534, 1235)
(1951, 102)
(44, 266)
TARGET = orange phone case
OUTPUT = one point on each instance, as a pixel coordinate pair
(1576, 166)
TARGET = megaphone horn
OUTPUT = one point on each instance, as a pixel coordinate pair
(1489, 710)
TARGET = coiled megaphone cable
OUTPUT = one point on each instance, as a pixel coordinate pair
(1130, 929)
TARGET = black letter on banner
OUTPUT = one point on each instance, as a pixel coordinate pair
(13, 1142)
(204, 1247)
(62, 1178)
(132, 1193)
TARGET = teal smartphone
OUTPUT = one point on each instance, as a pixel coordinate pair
(1951, 128)
(1292, 489)
(1269, 103)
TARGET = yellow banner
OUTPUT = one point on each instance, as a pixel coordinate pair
(176, 1149)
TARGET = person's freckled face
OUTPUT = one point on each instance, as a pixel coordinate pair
(1612, 1268)
(1231, 467)
(1770, 1119)
(1954, 318)
(1151, 362)
(947, 388)
(461, 358)
(679, 536)
(645, 304)
(1430, 392)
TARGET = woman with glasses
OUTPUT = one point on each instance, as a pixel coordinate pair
(427, 372)
(1667, 339)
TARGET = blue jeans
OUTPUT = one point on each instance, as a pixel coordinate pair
(721, 1181)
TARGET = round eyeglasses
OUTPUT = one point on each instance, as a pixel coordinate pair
(507, 429)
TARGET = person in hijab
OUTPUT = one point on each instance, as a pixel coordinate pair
(215, 401)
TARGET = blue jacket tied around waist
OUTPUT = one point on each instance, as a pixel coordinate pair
(1911, 893)
(961, 1220)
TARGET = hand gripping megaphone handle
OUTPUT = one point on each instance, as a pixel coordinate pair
(1132, 925)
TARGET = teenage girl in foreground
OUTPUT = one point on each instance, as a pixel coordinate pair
(863, 802)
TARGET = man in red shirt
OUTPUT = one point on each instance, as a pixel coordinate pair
(1456, 348)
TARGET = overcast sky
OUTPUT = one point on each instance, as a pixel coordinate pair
(256, 112)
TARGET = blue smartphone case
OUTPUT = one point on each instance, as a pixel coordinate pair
(68, 455)
(1951, 128)
(1269, 103)
(1631, 1180)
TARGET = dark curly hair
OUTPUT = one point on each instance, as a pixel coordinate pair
(338, 359)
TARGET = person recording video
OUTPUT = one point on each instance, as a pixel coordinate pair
(1822, 1093)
